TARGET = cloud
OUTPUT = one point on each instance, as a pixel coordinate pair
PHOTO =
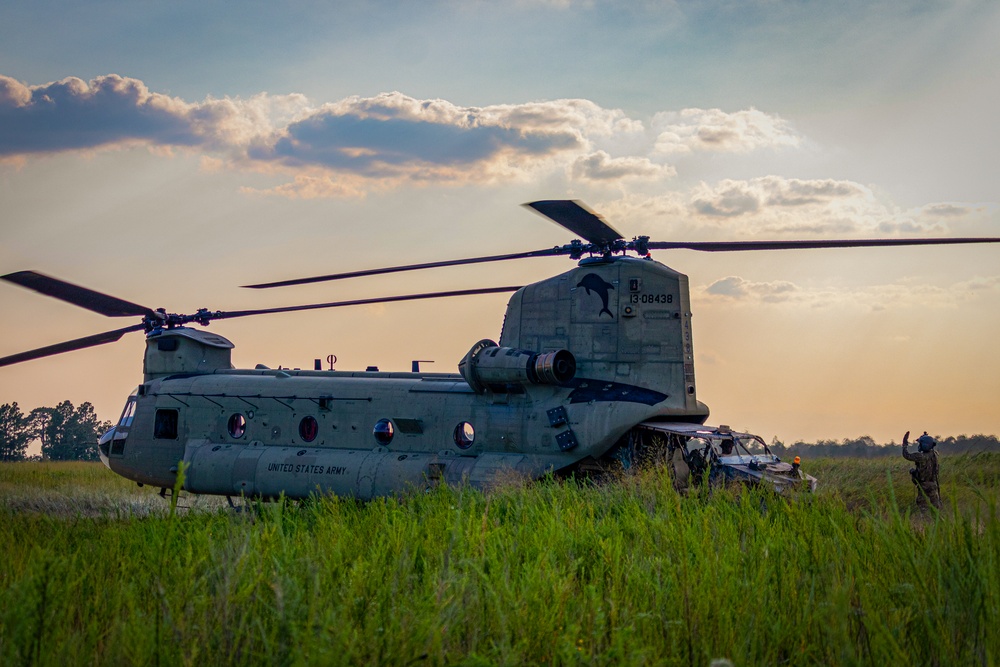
(727, 201)
(730, 198)
(71, 114)
(396, 136)
(384, 140)
(600, 166)
(903, 294)
(779, 205)
(945, 210)
(735, 287)
(980, 284)
(112, 111)
(695, 130)
(393, 134)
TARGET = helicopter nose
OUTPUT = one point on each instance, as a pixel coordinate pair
(104, 446)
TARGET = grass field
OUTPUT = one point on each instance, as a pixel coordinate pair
(96, 571)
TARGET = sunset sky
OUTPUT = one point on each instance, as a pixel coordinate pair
(167, 153)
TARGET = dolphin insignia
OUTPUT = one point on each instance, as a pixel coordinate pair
(593, 283)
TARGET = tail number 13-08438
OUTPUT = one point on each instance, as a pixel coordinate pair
(651, 298)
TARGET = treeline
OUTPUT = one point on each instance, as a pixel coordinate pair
(866, 448)
(66, 433)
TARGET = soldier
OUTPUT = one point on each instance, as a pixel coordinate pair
(925, 474)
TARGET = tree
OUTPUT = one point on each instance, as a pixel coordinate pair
(68, 433)
(15, 433)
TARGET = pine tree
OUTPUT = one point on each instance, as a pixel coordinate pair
(15, 433)
(68, 433)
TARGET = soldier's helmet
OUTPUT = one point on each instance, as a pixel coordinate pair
(926, 443)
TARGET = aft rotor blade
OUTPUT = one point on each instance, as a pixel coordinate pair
(729, 246)
(410, 267)
(223, 315)
(578, 219)
(78, 296)
(70, 345)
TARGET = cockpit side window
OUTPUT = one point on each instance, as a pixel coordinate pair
(126, 419)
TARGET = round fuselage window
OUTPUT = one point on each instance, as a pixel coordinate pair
(383, 431)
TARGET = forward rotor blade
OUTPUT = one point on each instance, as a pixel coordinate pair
(576, 218)
(112, 336)
(729, 246)
(409, 267)
(78, 296)
(70, 345)
(223, 315)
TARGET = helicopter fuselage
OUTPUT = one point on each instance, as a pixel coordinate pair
(583, 358)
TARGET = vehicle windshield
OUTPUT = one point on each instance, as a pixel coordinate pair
(733, 447)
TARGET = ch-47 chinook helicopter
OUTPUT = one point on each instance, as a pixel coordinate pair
(593, 365)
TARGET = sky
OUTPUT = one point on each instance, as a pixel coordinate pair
(167, 153)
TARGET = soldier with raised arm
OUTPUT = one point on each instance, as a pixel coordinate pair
(925, 472)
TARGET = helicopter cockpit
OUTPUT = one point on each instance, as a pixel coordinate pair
(112, 442)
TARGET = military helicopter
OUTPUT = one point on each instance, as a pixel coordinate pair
(594, 367)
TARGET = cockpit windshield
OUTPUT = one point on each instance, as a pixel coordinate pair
(126, 419)
(112, 443)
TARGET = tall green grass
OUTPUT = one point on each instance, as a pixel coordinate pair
(545, 573)
(77, 488)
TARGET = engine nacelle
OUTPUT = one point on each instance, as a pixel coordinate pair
(489, 367)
